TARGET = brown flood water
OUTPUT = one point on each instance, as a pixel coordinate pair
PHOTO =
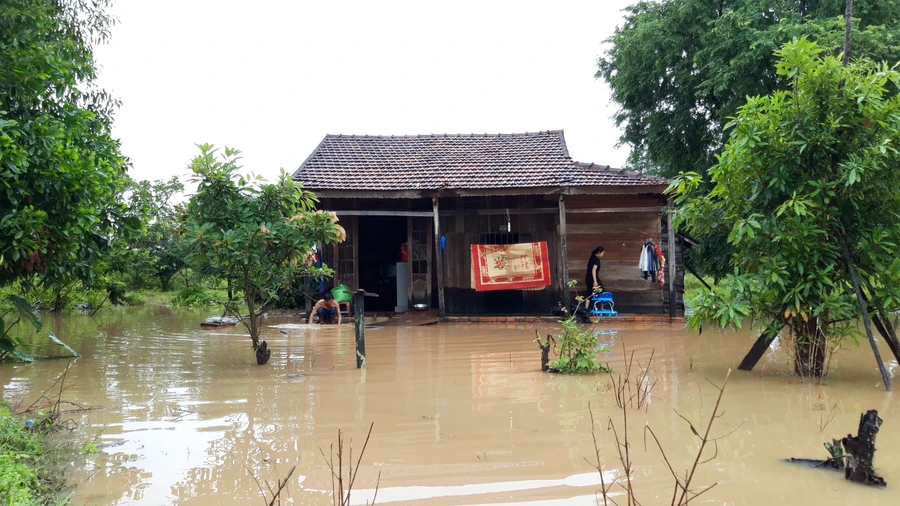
(462, 414)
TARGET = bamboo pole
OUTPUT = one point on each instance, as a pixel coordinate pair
(862, 307)
(848, 258)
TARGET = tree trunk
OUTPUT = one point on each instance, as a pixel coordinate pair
(58, 302)
(848, 29)
(250, 299)
(254, 325)
(809, 361)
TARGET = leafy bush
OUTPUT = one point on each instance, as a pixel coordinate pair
(194, 296)
(64, 299)
(576, 349)
(20, 454)
(134, 299)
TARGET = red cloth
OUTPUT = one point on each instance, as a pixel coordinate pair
(510, 266)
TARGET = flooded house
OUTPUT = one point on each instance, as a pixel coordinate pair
(430, 219)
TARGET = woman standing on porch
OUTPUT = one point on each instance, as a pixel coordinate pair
(592, 275)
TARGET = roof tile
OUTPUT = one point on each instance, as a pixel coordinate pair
(454, 161)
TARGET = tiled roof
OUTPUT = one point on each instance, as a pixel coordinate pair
(453, 161)
(588, 174)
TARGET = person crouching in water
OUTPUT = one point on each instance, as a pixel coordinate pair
(326, 309)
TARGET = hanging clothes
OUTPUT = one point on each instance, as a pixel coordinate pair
(651, 261)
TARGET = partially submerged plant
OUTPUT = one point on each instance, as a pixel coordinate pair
(684, 492)
(11, 346)
(342, 485)
(635, 390)
(260, 235)
(575, 348)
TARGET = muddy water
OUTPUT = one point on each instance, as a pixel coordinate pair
(461, 414)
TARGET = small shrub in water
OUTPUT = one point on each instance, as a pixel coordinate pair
(576, 349)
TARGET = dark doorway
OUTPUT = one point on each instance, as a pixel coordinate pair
(380, 239)
(503, 301)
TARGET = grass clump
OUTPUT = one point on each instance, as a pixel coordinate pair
(194, 296)
(31, 471)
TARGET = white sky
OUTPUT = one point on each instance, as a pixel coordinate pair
(271, 78)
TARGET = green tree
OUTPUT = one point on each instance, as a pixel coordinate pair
(679, 69)
(260, 234)
(804, 170)
(60, 168)
(155, 252)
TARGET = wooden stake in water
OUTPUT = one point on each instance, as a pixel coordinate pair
(359, 308)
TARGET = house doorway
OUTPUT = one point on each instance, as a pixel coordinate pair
(503, 302)
(380, 240)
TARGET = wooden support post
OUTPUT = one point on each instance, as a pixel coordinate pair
(670, 213)
(883, 323)
(438, 254)
(359, 307)
(409, 259)
(886, 329)
(848, 259)
(563, 255)
(699, 278)
(761, 346)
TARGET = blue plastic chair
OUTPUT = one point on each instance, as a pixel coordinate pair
(603, 304)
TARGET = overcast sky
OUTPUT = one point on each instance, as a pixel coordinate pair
(271, 78)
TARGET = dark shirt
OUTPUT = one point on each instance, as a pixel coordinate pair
(588, 278)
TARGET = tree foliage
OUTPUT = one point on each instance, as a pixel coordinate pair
(260, 234)
(60, 168)
(802, 168)
(154, 252)
(679, 69)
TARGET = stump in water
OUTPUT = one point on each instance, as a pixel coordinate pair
(860, 450)
(853, 454)
(545, 351)
(263, 353)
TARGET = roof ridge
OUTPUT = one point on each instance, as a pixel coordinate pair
(562, 140)
(619, 170)
(419, 136)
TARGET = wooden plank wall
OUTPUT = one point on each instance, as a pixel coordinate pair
(463, 231)
(622, 234)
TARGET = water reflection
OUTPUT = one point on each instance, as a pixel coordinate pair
(461, 412)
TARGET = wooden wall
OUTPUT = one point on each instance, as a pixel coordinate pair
(622, 234)
(463, 231)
